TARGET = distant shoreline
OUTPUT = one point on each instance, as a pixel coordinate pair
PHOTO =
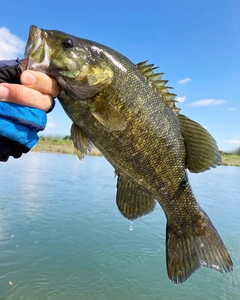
(66, 147)
(59, 146)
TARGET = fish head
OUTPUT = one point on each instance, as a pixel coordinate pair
(70, 60)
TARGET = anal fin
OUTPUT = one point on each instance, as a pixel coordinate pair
(133, 200)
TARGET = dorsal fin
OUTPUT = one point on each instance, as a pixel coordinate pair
(201, 148)
(156, 81)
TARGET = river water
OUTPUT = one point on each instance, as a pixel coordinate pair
(62, 236)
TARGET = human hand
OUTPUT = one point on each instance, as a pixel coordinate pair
(23, 115)
(37, 90)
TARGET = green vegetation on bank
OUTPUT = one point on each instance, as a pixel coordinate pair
(230, 159)
(65, 145)
(58, 145)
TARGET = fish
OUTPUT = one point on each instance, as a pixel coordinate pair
(127, 111)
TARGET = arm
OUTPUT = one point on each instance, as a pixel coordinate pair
(19, 123)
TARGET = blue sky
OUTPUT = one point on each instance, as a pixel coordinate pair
(195, 43)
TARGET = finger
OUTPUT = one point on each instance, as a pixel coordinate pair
(41, 82)
(23, 95)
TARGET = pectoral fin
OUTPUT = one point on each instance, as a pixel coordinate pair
(133, 200)
(106, 114)
(82, 144)
(201, 148)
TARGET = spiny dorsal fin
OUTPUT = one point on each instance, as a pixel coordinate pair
(155, 80)
(201, 148)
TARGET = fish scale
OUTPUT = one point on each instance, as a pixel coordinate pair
(128, 113)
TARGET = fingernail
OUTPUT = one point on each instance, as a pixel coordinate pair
(4, 91)
(27, 78)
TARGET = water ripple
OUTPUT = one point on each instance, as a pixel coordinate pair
(62, 236)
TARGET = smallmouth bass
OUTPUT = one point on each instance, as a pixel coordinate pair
(128, 113)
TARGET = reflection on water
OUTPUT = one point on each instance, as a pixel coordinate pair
(62, 237)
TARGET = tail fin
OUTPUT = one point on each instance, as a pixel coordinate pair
(194, 247)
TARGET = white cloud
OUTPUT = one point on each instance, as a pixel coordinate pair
(234, 142)
(232, 108)
(11, 45)
(180, 99)
(207, 102)
(50, 122)
(185, 80)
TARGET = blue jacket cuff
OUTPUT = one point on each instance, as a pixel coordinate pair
(33, 118)
(21, 123)
(18, 133)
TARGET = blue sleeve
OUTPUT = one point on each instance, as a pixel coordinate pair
(21, 123)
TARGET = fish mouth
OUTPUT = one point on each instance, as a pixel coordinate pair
(34, 40)
(37, 50)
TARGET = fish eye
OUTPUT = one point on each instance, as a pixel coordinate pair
(67, 43)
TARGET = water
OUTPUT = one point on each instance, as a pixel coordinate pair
(62, 237)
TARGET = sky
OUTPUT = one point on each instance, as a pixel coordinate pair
(195, 43)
